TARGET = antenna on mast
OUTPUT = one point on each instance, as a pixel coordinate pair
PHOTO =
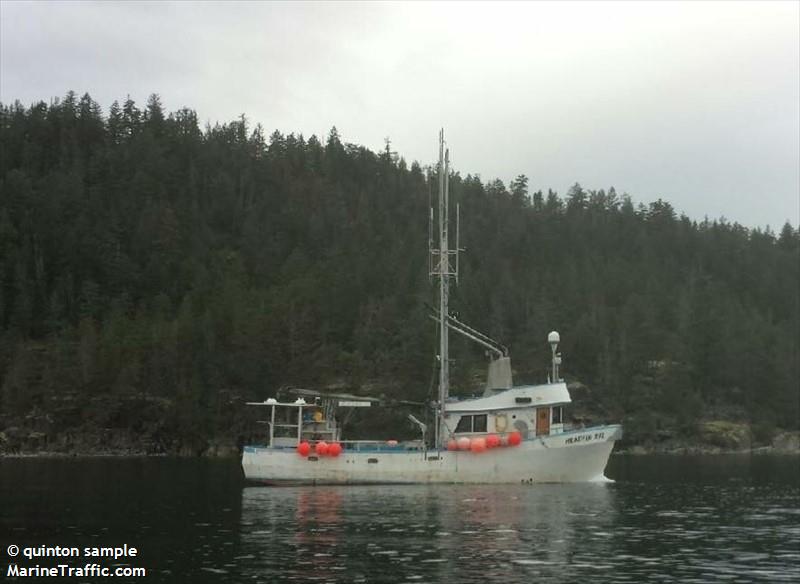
(442, 267)
(430, 231)
(458, 237)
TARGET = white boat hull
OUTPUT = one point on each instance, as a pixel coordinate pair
(577, 456)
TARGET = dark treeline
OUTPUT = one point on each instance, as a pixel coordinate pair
(154, 275)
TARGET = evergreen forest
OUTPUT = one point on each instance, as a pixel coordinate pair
(155, 274)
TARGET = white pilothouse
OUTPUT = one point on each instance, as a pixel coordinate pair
(507, 435)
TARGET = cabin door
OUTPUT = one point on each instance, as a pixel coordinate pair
(542, 421)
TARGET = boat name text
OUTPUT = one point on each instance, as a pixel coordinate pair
(585, 438)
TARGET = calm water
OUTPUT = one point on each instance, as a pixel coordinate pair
(665, 519)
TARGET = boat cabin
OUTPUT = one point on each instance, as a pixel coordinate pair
(531, 410)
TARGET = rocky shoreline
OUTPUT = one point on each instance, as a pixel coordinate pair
(16, 443)
(719, 437)
(784, 443)
(703, 449)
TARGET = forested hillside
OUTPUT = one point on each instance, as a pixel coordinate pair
(155, 274)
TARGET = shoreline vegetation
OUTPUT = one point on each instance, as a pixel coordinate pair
(721, 438)
(155, 275)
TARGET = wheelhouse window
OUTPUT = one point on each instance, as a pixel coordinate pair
(464, 424)
(479, 423)
(557, 415)
(472, 423)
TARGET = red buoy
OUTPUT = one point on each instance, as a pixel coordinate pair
(492, 441)
(514, 439)
(463, 443)
(321, 448)
(304, 449)
(334, 449)
(452, 445)
(478, 445)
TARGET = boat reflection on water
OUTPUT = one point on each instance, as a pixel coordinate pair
(317, 521)
(456, 533)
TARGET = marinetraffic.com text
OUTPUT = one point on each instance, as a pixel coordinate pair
(80, 562)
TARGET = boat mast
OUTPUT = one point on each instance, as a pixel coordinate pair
(444, 269)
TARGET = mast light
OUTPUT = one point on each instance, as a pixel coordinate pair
(554, 338)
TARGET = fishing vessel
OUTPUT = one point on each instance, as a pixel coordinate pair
(509, 434)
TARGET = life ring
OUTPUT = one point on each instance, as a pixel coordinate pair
(500, 423)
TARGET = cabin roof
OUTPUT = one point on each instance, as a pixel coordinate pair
(331, 395)
(525, 396)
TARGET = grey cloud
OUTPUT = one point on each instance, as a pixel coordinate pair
(697, 103)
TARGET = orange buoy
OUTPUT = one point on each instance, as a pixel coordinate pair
(478, 445)
(463, 443)
(514, 439)
(492, 441)
(452, 445)
(334, 449)
(321, 448)
(304, 449)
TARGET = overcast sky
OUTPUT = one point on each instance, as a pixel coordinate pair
(696, 103)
